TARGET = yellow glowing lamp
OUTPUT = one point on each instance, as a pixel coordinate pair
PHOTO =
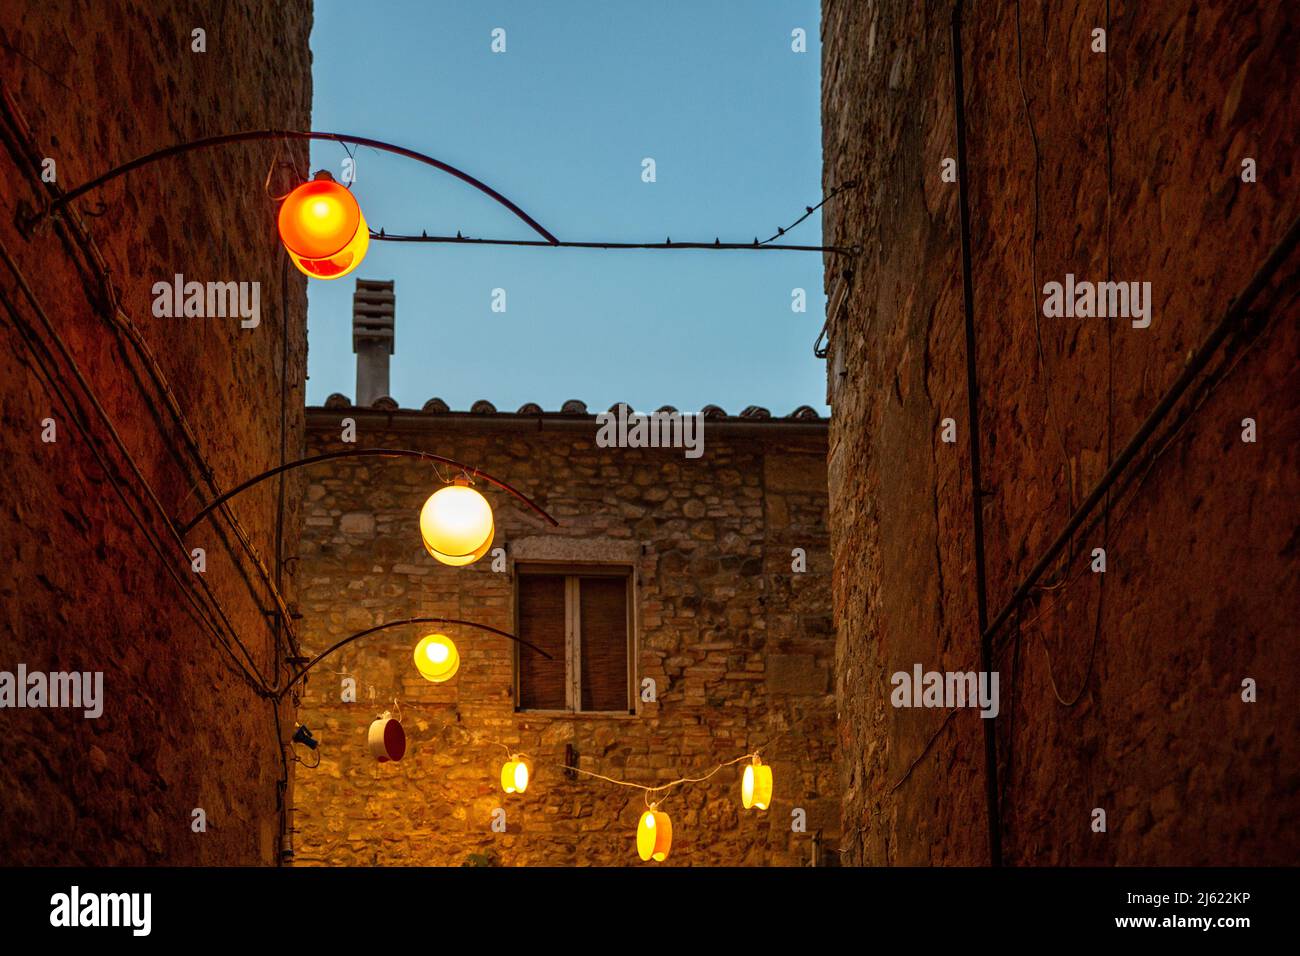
(515, 775)
(322, 228)
(654, 835)
(756, 785)
(436, 658)
(456, 524)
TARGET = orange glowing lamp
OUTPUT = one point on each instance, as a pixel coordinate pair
(322, 228)
(654, 835)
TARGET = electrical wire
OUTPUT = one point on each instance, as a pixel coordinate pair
(661, 788)
(346, 139)
(309, 766)
(18, 135)
(1110, 391)
(716, 245)
(924, 750)
(1110, 419)
(1197, 361)
(809, 210)
(991, 790)
(474, 740)
(77, 239)
(1121, 522)
(62, 394)
(658, 791)
(769, 243)
(1049, 410)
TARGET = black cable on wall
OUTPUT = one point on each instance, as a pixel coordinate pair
(973, 423)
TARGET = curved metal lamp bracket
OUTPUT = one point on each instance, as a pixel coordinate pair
(264, 134)
(184, 529)
(301, 672)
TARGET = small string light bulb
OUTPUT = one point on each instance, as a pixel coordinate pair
(515, 774)
(756, 785)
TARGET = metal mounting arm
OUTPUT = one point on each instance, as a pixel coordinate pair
(263, 134)
(184, 529)
(298, 675)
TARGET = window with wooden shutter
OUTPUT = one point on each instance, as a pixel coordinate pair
(582, 617)
(542, 622)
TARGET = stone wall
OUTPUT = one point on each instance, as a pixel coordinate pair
(740, 647)
(85, 544)
(1200, 588)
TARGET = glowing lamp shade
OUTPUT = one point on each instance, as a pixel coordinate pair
(654, 835)
(515, 774)
(322, 228)
(436, 658)
(456, 525)
(756, 785)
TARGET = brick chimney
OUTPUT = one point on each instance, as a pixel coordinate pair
(374, 306)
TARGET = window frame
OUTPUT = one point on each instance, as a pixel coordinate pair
(571, 571)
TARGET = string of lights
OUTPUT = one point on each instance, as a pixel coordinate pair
(661, 788)
(327, 236)
(654, 829)
(809, 210)
(717, 244)
(668, 243)
(654, 832)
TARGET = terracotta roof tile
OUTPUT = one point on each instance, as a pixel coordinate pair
(436, 406)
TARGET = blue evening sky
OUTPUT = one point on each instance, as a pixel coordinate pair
(560, 123)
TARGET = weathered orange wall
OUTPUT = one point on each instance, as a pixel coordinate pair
(1202, 581)
(81, 587)
(738, 643)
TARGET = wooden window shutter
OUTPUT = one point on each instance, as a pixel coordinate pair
(603, 644)
(542, 622)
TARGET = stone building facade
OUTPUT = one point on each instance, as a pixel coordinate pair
(116, 422)
(738, 644)
(1169, 158)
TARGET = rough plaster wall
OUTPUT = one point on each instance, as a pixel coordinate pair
(739, 646)
(1202, 580)
(81, 589)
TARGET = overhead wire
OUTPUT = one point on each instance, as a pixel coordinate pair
(716, 245)
(809, 210)
(681, 781)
